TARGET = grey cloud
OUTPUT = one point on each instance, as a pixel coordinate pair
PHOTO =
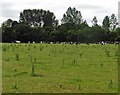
(6, 5)
(86, 6)
(9, 13)
(102, 11)
(33, 3)
(7, 10)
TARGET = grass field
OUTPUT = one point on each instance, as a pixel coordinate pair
(56, 68)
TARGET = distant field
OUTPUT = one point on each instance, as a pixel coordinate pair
(59, 68)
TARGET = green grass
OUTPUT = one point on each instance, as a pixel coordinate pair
(59, 68)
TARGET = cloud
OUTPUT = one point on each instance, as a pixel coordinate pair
(11, 9)
(6, 5)
(9, 13)
(7, 10)
(87, 6)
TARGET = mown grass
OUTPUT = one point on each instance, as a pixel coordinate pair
(59, 68)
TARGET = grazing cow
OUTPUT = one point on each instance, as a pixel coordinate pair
(41, 42)
(28, 41)
(77, 43)
(17, 42)
(33, 42)
(71, 42)
(116, 42)
(62, 43)
(102, 43)
(51, 42)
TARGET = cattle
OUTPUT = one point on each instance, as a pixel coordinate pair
(17, 41)
(116, 42)
(63, 43)
(51, 42)
(28, 41)
(103, 43)
(33, 42)
(77, 43)
(71, 42)
(41, 42)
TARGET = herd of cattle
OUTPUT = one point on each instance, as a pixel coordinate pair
(102, 42)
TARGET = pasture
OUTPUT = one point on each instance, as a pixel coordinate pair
(59, 68)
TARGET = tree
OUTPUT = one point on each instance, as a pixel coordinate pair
(113, 22)
(14, 23)
(83, 25)
(94, 21)
(97, 34)
(71, 35)
(23, 32)
(7, 24)
(0, 34)
(117, 34)
(38, 18)
(106, 23)
(8, 35)
(72, 16)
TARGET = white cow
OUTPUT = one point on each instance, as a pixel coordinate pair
(28, 41)
(41, 42)
(17, 42)
(33, 42)
(103, 43)
(51, 42)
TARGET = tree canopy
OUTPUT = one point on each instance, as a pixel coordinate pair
(72, 16)
(41, 25)
(38, 18)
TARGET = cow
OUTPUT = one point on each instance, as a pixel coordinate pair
(116, 42)
(33, 42)
(103, 43)
(17, 41)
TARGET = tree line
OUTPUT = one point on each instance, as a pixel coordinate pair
(41, 25)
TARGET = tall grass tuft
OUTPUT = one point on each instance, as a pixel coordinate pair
(110, 84)
(74, 62)
(41, 48)
(33, 69)
(101, 65)
(107, 53)
(79, 87)
(15, 85)
(17, 57)
(60, 85)
(81, 54)
(4, 49)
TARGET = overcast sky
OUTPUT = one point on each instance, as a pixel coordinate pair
(88, 8)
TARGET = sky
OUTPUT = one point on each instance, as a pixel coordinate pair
(89, 8)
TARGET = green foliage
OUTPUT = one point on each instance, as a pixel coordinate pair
(38, 18)
(7, 24)
(23, 32)
(41, 25)
(72, 16)
(106, 23)
(117, 34)
(113, 22)
(8, 35)
(94, 21)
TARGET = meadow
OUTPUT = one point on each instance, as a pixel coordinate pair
(59, 68)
